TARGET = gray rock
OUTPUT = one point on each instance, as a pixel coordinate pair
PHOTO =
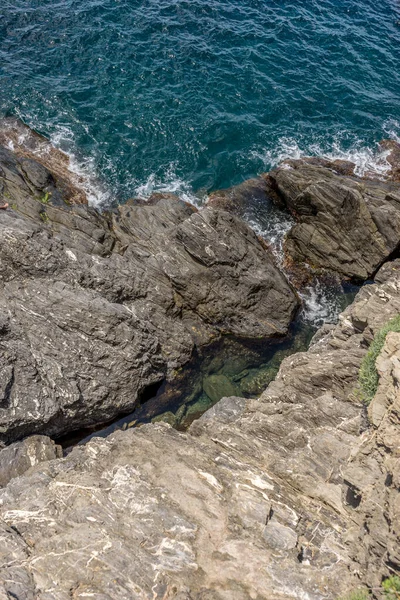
(344, 224)
(226, 410)
(97, 310)
(250, 503)
(280, 537)
(372, 476)
(19, 457)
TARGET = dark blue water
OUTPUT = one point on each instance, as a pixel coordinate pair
(200, 94)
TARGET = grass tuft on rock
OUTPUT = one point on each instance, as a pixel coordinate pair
(391, 587)
(361, 594)
(368, 377)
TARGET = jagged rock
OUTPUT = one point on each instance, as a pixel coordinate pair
(393, 158)
(373, 475)
(97, 310)
(344, 224)
(249, 503)
(19, 457)
(45, 167)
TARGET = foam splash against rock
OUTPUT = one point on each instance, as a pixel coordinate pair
(170, 184)
(58, 154)
(84, 167)
(367, 160)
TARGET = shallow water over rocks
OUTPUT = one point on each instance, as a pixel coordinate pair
(229, 367)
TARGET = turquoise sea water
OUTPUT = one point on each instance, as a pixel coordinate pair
(195, 95)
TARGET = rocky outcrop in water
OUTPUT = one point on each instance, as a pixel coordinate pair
(344, 223)
(292, 496)
(96, 310)
(257, 500)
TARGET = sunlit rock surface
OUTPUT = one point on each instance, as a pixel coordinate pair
(252, 503)
(98, 309)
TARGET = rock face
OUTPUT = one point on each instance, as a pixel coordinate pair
(37, 157)
(21, 456)
(344, 224)
(252, 503)
(97, 310)
(373, 474)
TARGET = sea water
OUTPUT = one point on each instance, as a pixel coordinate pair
(194, 95)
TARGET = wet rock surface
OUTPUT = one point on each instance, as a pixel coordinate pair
(97, 310)
(345, 224)
(251, 503)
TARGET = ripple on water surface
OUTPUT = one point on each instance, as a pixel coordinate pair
(155, 94)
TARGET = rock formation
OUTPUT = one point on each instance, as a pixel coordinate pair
(344, 224)
(98, 309)
(255, 501)
(294, 495)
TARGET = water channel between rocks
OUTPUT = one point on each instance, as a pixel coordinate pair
(229, 367)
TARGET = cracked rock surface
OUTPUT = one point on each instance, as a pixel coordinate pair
(251, 503)
(344, 223)
(97, 308)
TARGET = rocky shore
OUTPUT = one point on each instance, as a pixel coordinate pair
(294, 495)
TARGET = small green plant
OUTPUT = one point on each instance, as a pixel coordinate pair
(361, 594)
(368, 377)
(391, 588)
(44, 216)
(45, 199)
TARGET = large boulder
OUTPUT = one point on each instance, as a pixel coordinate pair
(97, 310)
(249, 503)
(344, 224)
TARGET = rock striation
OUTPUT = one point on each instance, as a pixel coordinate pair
(343, 223)
(19, 457)
(97, 310)
(291, 496)
(258, 500)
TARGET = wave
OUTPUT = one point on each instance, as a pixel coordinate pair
(321, 303)
(97, 191)
(273, 231)
(391, 127)
(367, 159)
(171, 183)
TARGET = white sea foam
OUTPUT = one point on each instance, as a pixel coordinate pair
(97, 191)
(321, 303)
(365, 158)
(273, 231)
(391, 127)
(170, 183)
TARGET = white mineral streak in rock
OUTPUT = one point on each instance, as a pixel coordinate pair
(251, 503)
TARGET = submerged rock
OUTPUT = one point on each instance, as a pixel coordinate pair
(218, 386)
(344, 224)
(250, 503)
(97, 310)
